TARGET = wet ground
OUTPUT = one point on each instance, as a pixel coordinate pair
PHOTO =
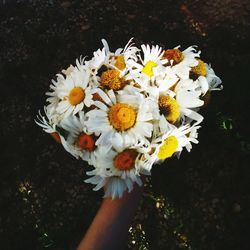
(201, 201)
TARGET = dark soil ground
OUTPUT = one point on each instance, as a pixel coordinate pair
(200, 202)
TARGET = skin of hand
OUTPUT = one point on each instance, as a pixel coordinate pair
(109, 228)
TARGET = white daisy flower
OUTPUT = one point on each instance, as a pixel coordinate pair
(70, 94)
(190, 102)
(148, 68)
(121, 122)
(81, 66)
(110, 68)
(168, 80)
(182, 102)
(100, 58)
(170, 141)
(214, 82)
(119, 59)
(146, 162)
(78, 141)
(114, 186)
(69, 70)
(179, 104)
(53, 99)
(116, 170)
(43, 121)
(116, 60)
(48, 126)
(181, 62)
(204, 77)
(192, 137)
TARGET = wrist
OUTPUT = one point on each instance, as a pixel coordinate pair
(129, 200)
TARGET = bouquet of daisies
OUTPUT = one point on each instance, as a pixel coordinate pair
(124, 111)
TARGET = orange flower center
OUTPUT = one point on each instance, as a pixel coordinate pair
(122, 116)
(76, 95)
(111, 79)
(56, 137)
(125, 160)
(173, 54)
(85, 142)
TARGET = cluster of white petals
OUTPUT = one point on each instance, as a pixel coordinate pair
(124, 111)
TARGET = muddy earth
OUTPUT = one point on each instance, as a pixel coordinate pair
(200, 202)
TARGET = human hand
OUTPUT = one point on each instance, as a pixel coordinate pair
(109, 228)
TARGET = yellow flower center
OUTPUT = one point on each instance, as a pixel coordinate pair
(122, 116)
(148, 68)
(125, 160)
(173, 54)
(168, 147)
(199, 70)
(120, 63)
(169, 108)
(111, 79)
(76, 95)
(85, 142)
